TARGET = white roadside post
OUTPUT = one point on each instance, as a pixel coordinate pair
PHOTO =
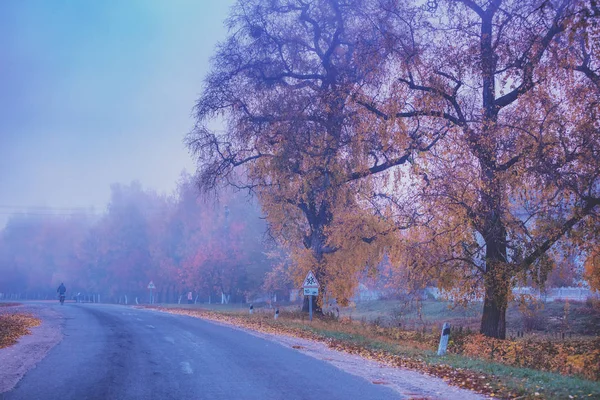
(311, 288)
(151, 287)
(276, 313)
(444, 339)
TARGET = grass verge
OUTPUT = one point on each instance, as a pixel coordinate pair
(15, 325)
(490, 378)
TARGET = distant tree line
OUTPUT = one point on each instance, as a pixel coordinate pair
(215, 248)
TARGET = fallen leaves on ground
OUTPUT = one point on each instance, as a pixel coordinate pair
(568, 357)
(13, 326)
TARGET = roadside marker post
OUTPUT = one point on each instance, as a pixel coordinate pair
(444, 339)
(311, 288)
(151, 287)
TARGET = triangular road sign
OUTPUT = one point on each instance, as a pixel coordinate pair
(151, 285)
(310, 281)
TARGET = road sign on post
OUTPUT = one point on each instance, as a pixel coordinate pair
(311, 288)
(151, 287)
(310, 281)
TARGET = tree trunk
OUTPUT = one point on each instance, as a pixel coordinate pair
(493, 320)
(318, 216)
(497, 279)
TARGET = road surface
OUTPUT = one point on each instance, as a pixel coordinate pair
(115, 352)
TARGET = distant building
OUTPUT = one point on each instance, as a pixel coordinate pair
(364, 293)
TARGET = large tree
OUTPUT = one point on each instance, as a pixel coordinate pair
(288, 83)
(518, 170)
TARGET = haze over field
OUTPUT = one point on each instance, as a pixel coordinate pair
(97, 92)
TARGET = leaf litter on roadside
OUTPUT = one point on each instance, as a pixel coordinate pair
(15, 325)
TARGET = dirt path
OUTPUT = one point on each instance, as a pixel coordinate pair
(31, 349)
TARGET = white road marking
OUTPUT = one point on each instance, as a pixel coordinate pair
(197, 342)
(186, 368)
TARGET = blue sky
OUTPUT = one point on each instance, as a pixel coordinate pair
(98, 91)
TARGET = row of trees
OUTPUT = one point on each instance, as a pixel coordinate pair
(217, 248)
(459, 138)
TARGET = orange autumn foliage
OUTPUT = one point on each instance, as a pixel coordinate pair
(458, 139)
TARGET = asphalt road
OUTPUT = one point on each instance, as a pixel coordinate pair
(114, 352)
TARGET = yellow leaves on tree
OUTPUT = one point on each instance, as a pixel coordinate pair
(496, 115)
(298, 128)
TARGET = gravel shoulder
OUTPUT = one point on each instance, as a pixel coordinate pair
(31, 349)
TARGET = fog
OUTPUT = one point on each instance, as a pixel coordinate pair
(213, 248)
(96, 93)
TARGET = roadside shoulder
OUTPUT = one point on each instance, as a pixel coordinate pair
(409, 383)
(17, 359)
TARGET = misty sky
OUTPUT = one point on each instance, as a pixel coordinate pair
(98, 91)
